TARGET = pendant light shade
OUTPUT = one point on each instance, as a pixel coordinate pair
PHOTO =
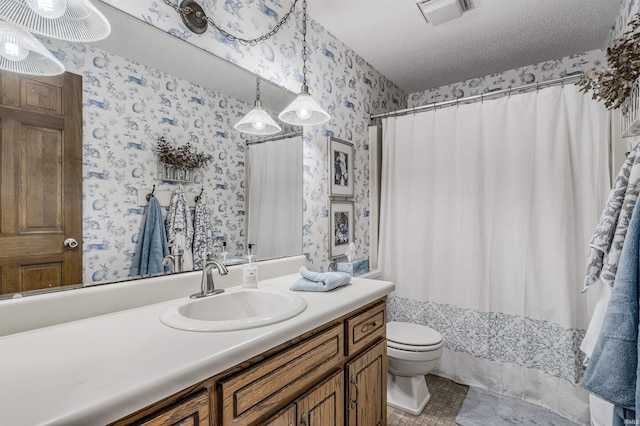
(257, 121)
(72, 20)
(304, 110)
(21, 52)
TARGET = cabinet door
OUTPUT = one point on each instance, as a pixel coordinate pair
(323, 405)
(193, 411)
(285, 418)
(367, 387)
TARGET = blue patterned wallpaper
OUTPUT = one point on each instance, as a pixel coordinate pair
(536, 73)
(126, 106)
(341, 81)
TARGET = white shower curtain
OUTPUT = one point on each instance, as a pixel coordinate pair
(486, 213)
(275, 197)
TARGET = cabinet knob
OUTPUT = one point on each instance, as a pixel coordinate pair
(303, 420)
(369, 326)
(70, 243)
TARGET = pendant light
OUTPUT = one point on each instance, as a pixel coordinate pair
(71, 20)
(21, 52)
(304, 110)
(257, 121)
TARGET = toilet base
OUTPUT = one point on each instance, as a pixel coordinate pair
(409, 394)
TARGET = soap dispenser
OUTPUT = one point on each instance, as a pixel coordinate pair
(250, 270)
(224, 254)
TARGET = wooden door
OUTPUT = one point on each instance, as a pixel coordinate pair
(367, 387)
(40, 181)
(192, 412)
(323, 405)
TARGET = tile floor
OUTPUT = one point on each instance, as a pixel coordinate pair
(446, 401)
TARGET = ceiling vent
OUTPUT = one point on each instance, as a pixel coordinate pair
(438, 12)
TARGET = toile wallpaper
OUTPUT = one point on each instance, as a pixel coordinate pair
(531, 74)
(126, 107)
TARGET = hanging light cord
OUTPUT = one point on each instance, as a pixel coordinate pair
(257, 90)
(251, 42)
(304, 43)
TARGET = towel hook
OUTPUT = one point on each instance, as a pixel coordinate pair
(199, 195)
(151, 194)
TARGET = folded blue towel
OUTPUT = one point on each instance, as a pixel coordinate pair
(320, 281)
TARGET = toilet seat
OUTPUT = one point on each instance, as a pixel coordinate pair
(412, 337)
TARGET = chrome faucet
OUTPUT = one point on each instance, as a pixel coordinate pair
(176, 259)
(207, 287)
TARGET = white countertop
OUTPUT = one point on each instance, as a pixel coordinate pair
(97, 370)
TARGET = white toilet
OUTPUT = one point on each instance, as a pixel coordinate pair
(413, 350)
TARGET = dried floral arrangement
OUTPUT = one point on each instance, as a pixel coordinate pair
(184, 157)
(614, 85)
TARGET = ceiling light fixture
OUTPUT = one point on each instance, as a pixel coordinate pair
(438, 12)
(304, 110)
(72, 20)
(257, 121)
(21, 52)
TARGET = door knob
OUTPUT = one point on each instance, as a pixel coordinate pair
(70, 243)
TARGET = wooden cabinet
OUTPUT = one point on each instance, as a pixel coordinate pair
(192, 411)
(287, 417)
(333, 375)
(367, 387)
(321, 406)
(324, 405)
(364, 328)
(254, 392)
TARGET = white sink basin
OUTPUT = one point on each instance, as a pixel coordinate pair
(233, 310)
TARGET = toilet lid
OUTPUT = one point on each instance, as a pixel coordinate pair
(409, 334)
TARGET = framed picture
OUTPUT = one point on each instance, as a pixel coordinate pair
(340, 227)
(340, 168)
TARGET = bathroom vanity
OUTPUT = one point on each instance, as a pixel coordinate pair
(327, 365)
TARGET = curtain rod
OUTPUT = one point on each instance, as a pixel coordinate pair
(481, 97)
(275, 138)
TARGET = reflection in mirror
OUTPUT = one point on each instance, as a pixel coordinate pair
(274, 196)
(129, 101)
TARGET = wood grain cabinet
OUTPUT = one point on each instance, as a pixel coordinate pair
(367, 387)
(321, 406)
(332, 375)
(192, 411)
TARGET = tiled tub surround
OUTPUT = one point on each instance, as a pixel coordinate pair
(102, 368)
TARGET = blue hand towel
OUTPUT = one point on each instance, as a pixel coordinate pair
(320, 281)
(612, 370)
(152, 245)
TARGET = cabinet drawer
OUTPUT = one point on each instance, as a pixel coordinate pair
(365, 327)
(267, 386)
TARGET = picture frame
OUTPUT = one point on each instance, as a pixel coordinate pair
(341, 227)
(341, 159)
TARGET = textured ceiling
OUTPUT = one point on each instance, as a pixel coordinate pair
(493, 36)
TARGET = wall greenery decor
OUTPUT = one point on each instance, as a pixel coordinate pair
(613, 85)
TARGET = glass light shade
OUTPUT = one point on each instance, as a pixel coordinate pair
(13, 52)
(50, 9)
(304, 111)
(14, 42)
(257, 122)
(80, 20)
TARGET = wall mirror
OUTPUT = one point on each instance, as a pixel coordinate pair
(142, 83)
